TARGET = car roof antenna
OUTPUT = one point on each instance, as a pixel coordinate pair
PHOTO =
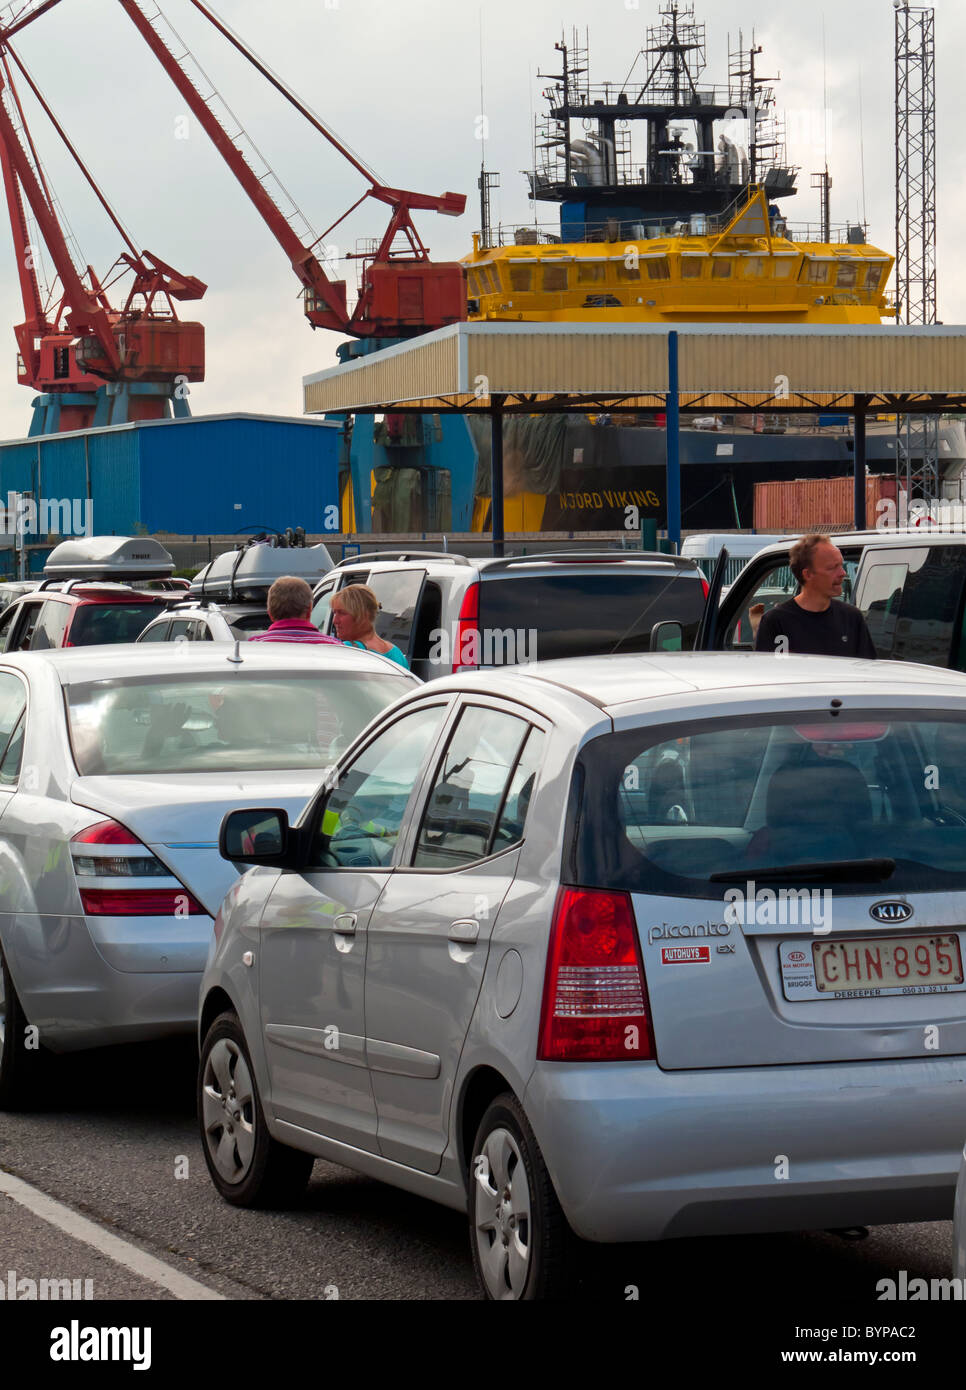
(236, 657)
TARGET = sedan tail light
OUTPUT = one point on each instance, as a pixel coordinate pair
(140, 902)
(108, 854)
(595, 1005)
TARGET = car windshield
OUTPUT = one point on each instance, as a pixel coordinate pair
(694, 805)
(243, 722)
(97, 623)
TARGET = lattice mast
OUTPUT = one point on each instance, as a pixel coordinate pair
(916, 303)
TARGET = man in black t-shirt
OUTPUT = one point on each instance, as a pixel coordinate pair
(815, 621)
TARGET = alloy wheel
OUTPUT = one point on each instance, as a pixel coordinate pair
(502, 1215)
(228, 1106)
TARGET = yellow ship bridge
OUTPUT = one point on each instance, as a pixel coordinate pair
(746, 268)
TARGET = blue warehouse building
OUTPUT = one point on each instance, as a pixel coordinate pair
(205, 475)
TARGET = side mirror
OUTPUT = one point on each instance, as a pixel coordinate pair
(667, 637)
(258, 836)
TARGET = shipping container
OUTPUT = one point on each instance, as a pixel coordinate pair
(821, 504)
(209, 474)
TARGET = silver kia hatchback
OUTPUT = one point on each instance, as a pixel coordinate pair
(616, 949)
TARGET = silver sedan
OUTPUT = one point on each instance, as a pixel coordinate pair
(116, 768)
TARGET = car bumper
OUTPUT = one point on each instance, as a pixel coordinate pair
(636, 1153)
(78, 999)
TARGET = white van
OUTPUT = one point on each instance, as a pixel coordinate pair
(705, 549)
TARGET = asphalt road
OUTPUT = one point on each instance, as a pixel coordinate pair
(114, 1132)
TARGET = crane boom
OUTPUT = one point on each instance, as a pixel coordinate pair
(401, 294)
(286, 91)
(37, 320)
(332, 294)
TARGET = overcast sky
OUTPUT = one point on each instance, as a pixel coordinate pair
(399, 80)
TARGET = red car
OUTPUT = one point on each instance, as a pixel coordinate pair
(79, 613)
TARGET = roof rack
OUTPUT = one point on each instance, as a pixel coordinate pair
(207, 603)
(66, 586)
(404, 555)
(585, 557)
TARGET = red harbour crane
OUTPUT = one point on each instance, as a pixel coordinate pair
(73, 343)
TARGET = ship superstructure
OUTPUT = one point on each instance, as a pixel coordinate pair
(669, 192)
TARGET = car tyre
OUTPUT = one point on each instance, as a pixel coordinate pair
(248, 1167)
(523, 1249)
(19, 1063)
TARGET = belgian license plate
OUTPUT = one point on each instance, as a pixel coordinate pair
(871, 966)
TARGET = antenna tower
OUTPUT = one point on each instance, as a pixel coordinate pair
(916, 219)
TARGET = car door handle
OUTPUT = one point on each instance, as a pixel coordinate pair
(345, 924)
(465, 931)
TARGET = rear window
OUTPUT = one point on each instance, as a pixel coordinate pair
(218, 723)
(913, 603)
(587, 614)
(755, 795)
(95, 624)
(250, 622)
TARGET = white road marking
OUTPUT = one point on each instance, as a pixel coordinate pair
(120, 1251)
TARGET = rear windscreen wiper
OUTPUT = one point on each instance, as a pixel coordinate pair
(862, 870)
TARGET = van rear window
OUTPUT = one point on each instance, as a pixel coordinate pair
(589, 614)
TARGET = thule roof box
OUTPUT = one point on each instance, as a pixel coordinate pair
(109, 557)
(246, 575)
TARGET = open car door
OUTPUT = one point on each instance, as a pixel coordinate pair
(399, 593)
(707, 638)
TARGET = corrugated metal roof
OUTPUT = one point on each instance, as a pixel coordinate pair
(192, 421)
(463, 365)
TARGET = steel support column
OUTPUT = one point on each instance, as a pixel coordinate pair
(496, 473)
(858, 463)
(673, 415)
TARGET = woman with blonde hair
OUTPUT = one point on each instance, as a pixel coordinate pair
(354, 610)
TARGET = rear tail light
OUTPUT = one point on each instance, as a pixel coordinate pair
(706, 587)
(140, 902)
(105, 832)
(109, 853)
(595, 1006)
(467, 654)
